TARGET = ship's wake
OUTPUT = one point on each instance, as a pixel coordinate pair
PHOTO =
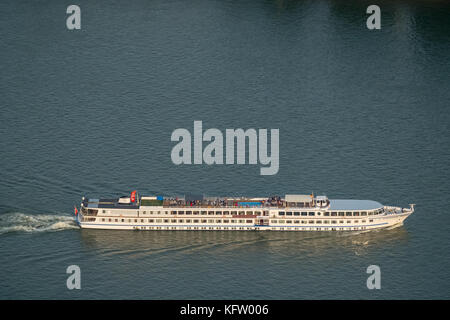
(21, 222)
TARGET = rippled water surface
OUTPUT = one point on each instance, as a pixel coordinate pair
(362, 115)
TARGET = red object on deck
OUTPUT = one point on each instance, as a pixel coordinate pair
(75, 210)
(133, 196)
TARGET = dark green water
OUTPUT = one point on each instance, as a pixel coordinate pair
(362, 114)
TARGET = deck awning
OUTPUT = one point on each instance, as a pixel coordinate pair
(354, 205)
(298, 198)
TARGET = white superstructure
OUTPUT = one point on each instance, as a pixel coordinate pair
(291, 213)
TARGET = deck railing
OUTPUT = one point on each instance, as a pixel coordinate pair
(234, 206)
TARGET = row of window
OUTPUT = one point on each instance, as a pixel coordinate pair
(281, 213)
(333, 213)
(209, 213)
(320, 229)
(317, 221)
(195, 228)
(223, 221)
(251, 228)
(174, 220)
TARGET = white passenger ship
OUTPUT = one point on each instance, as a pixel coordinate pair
(291, 213)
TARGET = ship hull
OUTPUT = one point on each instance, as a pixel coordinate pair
(382, 222)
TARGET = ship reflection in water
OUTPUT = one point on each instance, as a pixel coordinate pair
(139, 244)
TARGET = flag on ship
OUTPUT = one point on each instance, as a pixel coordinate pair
(133, 196)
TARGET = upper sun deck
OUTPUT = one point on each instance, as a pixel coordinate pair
(274, 202)
(289, 201)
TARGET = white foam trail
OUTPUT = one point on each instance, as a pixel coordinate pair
(21, 222)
